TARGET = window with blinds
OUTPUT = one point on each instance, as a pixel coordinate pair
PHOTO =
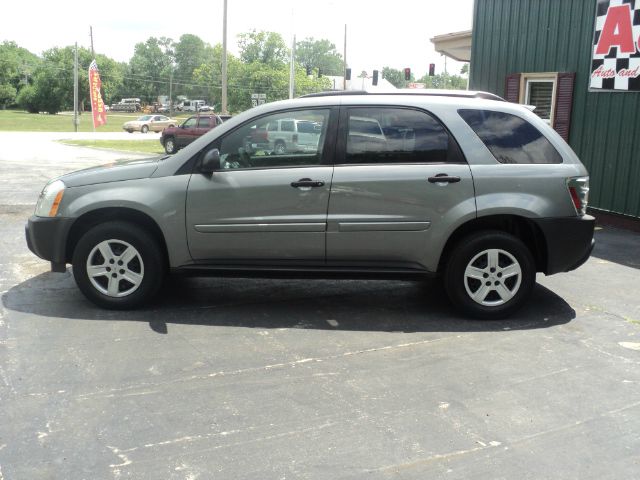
(550, 92)
(540, 95)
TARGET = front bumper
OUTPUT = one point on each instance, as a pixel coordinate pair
(569, 242)
(47, 238)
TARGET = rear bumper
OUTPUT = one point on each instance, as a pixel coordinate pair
(569, 242)
(47, 238)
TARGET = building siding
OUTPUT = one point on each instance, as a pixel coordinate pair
(528, 36)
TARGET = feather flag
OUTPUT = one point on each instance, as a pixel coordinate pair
(97, 105)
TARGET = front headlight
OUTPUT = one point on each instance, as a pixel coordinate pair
(50, 198)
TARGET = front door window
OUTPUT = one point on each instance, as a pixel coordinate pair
(260, 144)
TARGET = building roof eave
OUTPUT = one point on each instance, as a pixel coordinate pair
(456, 45)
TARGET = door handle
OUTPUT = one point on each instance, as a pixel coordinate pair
(443, 178)
(307, 182)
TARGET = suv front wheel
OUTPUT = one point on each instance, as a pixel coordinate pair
(118, 265)
(490, 275)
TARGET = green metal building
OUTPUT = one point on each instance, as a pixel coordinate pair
(578, 61)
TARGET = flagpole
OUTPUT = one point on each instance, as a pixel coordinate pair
(93, 55)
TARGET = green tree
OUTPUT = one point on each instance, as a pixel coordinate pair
(247, 78)
(319, 54)
(149, 69)
(7, 95)
(53, 80)
(394, 76)
(465, 69)
(16, 66)
(190, 53)
(263, 47)
(207, 78)
(27, 99)
(444, 81)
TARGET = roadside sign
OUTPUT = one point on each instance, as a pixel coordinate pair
(258, 99)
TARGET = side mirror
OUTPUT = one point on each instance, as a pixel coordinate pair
(211, 161)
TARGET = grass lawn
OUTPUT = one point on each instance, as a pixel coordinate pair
(138, 146)
(21, 121)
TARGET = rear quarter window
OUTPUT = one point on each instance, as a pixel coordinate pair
(511, 139)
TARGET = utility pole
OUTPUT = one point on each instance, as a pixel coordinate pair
(446, 75)
(93, 54)
(75, 89)
(292, 68)
(224, 59)
(344, 78)
(171, 91)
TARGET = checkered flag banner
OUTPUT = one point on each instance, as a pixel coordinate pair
(615, 61)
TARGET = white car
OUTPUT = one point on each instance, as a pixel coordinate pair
(155, 123)
(293, 135)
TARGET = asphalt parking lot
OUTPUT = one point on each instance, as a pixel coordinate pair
(294, 379)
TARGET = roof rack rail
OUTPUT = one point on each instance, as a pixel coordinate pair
(410, 91)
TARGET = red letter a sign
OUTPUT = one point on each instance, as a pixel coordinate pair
(617, 31)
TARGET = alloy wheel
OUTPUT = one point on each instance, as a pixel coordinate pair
(115, 268)
(492, 277)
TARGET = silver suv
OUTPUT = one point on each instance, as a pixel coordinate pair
(463, 185)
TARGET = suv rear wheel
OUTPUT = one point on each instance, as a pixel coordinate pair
(118, 265)
(490, 275)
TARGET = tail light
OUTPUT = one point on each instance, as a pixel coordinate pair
(579, 191)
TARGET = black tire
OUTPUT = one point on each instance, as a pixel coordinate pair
(144, 129)
(146, 269)
(170, 145)
(499, 290)
(280, 148)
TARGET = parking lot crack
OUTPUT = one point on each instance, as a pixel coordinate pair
(125, 391)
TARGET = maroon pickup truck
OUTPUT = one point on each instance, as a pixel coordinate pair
(174, 138)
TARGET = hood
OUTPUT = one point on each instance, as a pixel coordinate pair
(112, 172)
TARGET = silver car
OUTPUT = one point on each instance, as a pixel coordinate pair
(478, 191)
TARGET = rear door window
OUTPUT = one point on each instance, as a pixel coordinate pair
(509, 138)
(396, 135)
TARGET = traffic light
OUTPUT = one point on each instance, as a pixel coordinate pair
(407, 74)
(432, 69)
(375, 78)
(319, 72)
(308, 71)
(347, 74)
